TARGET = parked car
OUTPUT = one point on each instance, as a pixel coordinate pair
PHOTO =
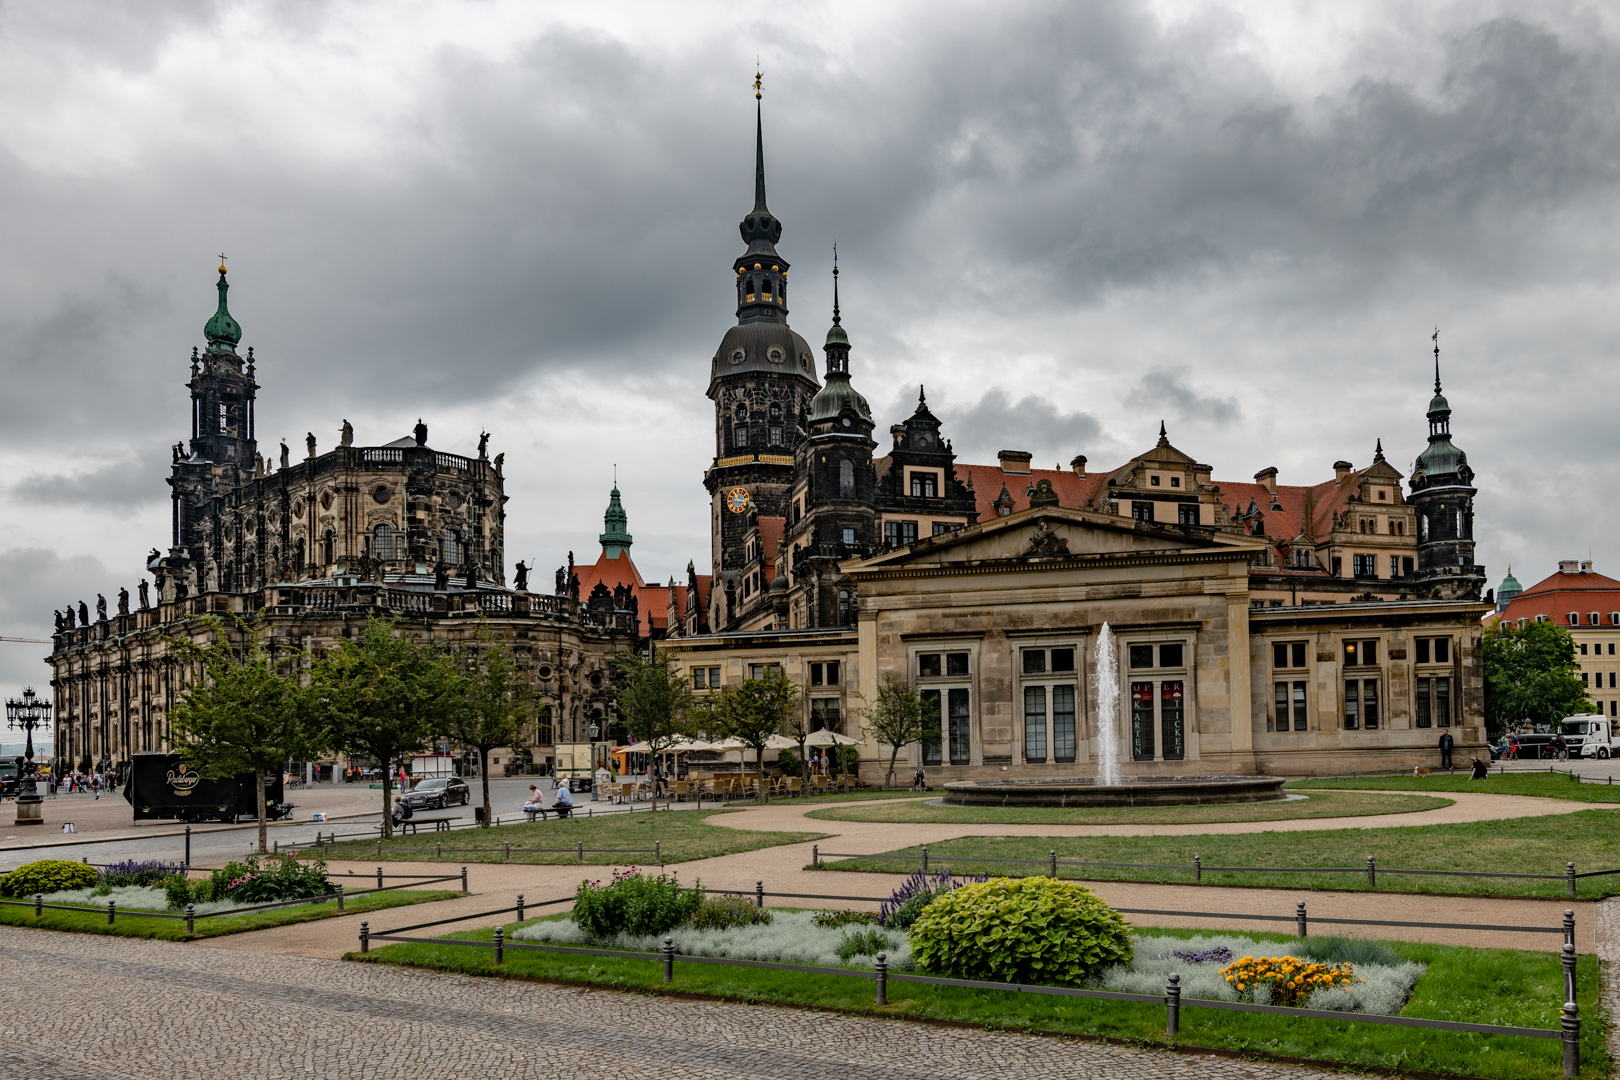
(438, 792)
(1530, 745)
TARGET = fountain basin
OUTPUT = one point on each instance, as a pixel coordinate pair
(1087, 791)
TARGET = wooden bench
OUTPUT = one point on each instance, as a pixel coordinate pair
(440, 824)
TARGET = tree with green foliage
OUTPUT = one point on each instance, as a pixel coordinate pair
(653, 700)
(752, 711)
(239, 713)
(382, 696)
(496, 704)
(897, 719)
(1531, 675)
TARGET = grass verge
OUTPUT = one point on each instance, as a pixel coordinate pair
(1520, 845)
(1536, 785)
(682, 836)
(1324, 804)
(130, 923)
(1496, 986)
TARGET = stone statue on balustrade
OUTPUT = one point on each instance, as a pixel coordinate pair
(101, 608)
(441, 575)
(146, 599)
(123, 601)
(521, 572)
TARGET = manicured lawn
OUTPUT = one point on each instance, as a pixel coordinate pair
(1540, 785)
(130, 923)
(682, 835)
(1324, 804)
(1521, 845)
(1497, 986)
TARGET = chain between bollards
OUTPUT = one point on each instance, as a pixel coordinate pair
(669, 960)
(1172, 1005)
(881, 966)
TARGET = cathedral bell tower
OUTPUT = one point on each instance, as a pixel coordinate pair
(221, 453)
(760, 380)
(1443, 495)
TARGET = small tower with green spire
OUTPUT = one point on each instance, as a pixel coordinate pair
(616, 540)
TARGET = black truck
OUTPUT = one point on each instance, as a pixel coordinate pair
(163, 786)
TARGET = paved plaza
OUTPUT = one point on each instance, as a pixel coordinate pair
(177, 1013)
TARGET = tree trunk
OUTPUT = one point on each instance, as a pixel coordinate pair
(258, 781)
(388, 810)
(483, 770)
(894, 755)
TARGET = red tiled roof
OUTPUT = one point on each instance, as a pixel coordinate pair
(1563, 593)
(770, 539)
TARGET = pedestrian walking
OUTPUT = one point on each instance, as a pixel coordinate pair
(1445, 749)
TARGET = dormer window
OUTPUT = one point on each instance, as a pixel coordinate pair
(776, 411)
(776, 354)
(1574, 618)
(737, 356)
(925, 485)
(1175, 481)
(1153, 481)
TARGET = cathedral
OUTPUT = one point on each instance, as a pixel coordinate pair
(1263, 626)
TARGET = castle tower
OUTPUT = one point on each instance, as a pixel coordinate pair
(1443, 496)
(761, 381)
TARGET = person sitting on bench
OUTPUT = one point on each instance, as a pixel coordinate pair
(565, 800)
(536, 804)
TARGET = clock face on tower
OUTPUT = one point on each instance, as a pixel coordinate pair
(737, 500)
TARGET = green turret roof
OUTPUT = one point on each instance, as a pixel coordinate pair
(616, 540)
(222, 331)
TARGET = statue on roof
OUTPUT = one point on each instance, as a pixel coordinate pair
(472, 574)
(573, 586)
(483, 444)
(123, 601)
(59, 624)
(101, 608)
(146, 599)
(441, 575)
(309, 441)
(500, 461)
(347, 435)
(521, 571)
(284, 453)
(562, 581)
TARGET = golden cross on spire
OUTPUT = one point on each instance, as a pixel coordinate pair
(222, 262)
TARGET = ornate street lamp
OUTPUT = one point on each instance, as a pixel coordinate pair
(28, 713)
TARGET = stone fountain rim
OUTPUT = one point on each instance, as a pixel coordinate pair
(1129, 783)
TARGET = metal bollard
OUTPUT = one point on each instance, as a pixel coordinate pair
(520, 907)
(275, 847)
(1198, 869)
(506, 853)
(500, 944)
(759, 891)
(1569, 972)
(1172, 1005)
(1051, 857)
(365, 936)
(39, 904)
(340, 896)
(1572, 1039)
(379, 847)
(925, 860)
(658, 853)
(112, 911)
(882, 969)
(191, 918)
(815, 856)
(379, 877)
(1299, 919)
(1569, 876)
(1569, 926)
(464, 880)
(669, 960)
(1372, 873)
(188, 846)
(582, 851)
(438, 849)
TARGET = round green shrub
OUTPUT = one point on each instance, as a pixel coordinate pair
(48, 876)
(1023, 930)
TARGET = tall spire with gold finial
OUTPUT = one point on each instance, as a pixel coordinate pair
(761, 272)
(222, 331)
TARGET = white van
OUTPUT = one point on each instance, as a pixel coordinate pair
(1590, 735)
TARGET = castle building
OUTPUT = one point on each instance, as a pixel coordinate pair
(1261, 626)
(313, 548)
(1587, 604)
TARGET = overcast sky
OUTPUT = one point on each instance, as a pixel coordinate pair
(1069, 220)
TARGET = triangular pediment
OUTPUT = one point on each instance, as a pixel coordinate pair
(1056, 533)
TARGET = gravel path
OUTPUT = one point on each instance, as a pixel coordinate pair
(176, 1013)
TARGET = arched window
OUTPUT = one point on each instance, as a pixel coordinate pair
(450, 550)
(776, 410)
(846, 479)
(846, 608)
(385, 544)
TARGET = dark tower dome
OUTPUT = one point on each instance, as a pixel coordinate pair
(222, 331)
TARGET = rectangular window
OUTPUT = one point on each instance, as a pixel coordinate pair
(956, 663)
(1442, 650)
(1352, 704)
(925, 485)
(1142, 721)
(1170, 655)
(1423, 702)
(1187, 513)
(1142, 511)
(824, 713)
(1034, 661)
(757, 671)
(776, 436)
(1360, 653)
(1442, 702)
(1300, 723)
(1364, 565)
(849, 536)
(714, 678)
(816, 674)
(1172, 721)
(1369, 704)
(832, 673)
(943, 527)
(928, 665)
(1406, 566)
(1285, 654)
(1338, 566)
(1141, 656)
(1175, 481)
(1062, 659)
(1063, 724)
(699, 678)
(1423, 650)
(1154, 481)
(961, 734)
(1394, 566)
(899, 533)
(740, 437)
(931, 743)
(1583, 648)
(1586, 678)
(1280, 690)
(1034, 723)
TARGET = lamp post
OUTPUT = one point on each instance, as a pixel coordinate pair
(28, 713)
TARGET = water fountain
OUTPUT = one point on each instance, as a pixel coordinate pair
(1108, 788)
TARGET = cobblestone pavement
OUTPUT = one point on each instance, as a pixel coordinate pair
(178, 1013)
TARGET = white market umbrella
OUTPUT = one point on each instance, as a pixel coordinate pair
(830, 738)
(781, 742)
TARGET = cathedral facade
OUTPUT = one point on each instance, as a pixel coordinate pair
(1277, 625)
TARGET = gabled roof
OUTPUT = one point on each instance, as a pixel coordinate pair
(1562, 593)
